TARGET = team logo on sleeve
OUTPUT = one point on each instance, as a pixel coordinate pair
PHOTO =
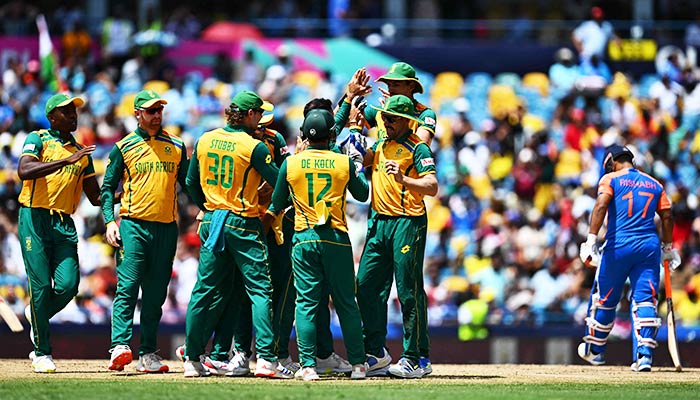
(430, 120)
(28, 243)
(268, 159)
(29, 147)
(405, 249)
(427, 162)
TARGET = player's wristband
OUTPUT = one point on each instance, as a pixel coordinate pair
(666, 246)
(591, 238)
(111, 222)
(355, 128)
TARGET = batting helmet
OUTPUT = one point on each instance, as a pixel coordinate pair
(318, 124)
(614, 152)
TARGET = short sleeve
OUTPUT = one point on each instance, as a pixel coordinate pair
(32, 145)
(664, 202)
(428, 120)
(423, 160)
(605, 185)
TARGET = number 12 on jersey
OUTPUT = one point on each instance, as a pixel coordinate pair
(310, 181)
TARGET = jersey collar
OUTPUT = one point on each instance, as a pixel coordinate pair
(237, 128)
(57, 134)
(145, 134)
(318, 147)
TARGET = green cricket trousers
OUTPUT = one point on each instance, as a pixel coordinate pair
(211, 302)
(50, 253)
(237, 324)
(145, 261)
(322, 257)
(395, 246)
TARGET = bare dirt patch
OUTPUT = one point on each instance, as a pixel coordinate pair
(13, 369)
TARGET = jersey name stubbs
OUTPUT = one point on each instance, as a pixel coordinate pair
(222, 145)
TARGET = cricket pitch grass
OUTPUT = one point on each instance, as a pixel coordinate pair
(90, 379)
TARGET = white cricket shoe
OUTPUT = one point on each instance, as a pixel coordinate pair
(215, 367)
(150, 363)
(272, 369)
(359, 371)
(239, 364)
(195, 369)
(334, 364)
(307, 374)
(406, 368)
(378, 365)
(643, 364)
(43, 364)
(290, 364)
(121, 356)
(584, 351)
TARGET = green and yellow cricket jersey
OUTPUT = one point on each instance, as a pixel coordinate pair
(148, 168)
(59, 191)
(424, 113)
(227, 167)
(415, 160)
(318, 175)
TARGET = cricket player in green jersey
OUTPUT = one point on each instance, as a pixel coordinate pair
(55, 170)
(317, 180)
(403, 172)
(221, 361)
(401, 79)
(328, 362)
(149, 162)
(227, 168)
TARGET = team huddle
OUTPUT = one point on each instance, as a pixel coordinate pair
(275, 245)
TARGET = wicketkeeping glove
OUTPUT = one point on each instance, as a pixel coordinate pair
(589, 253)
(348, 148)
(668, 253)
(356, 140)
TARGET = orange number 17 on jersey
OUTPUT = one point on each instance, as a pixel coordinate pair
(629, 197)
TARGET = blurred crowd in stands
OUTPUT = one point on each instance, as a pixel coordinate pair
(518, 161)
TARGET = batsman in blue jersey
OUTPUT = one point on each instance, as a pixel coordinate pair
(631, 250)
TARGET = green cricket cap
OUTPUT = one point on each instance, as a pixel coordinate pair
(318, 124)
(400, 106)
(62, 100)
(402, 71)
(147, 99)
(248, 100)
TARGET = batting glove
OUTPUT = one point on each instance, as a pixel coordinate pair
(589, 253)
(668, 253)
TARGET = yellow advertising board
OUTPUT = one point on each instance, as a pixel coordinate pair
(632, 50)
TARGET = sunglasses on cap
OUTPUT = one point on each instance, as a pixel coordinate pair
(152, 110)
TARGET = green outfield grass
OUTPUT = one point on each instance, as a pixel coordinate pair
(132, 389)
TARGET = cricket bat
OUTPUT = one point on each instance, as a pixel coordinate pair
(670, 321)
(9, 316)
